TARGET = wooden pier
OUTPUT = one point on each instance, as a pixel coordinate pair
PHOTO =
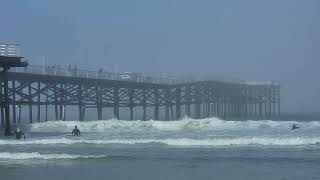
(44, 87)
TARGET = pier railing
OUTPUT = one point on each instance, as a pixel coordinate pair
(69, 71)
(100, 74)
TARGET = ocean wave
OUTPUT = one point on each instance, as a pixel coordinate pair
(184, 124)
(280, 141)
(36, 155)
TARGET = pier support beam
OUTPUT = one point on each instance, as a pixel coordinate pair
(99, 101)
(116, 102)
(2, 117)
(178, 103)
(61, 102)
(218, 114)
(19, 114)
(38, 101)
(46, 106)
(246, 103)
(56, 102)
(198, 103)
(171, 110)
(274, 113)
(14, 115)
(144, 105)
(30, 102)
(255, 102)
(279, 100)
(131, 102)
(156, 104)
(270, 103)
(2, 106)
(80, 97)
(5, 102)
(167, 104)
(188, 101)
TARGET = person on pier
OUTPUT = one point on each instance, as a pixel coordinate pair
(75, 131)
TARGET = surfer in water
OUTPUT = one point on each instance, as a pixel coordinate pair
(294, 127)
(18, 132)
(75, 131)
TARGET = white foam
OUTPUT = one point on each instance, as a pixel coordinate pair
(265, 132)
(185, 124)
(282, 141)
(36, 155)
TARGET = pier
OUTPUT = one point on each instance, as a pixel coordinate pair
(38, 88)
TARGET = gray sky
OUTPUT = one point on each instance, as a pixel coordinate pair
(249, 39)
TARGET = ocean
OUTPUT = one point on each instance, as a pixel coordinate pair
(187, 149)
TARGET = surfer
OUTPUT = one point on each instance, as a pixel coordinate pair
(294, 127)
(18, 132)
(75, 131)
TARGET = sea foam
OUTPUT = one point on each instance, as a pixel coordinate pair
(37, 155)
(184, 124)
(282, 141)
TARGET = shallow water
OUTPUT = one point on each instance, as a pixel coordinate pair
(187, 149)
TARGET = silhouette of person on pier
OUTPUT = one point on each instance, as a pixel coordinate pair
(75, 131)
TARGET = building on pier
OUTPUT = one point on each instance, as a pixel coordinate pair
(9, 50)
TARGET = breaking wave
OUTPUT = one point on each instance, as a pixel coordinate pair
(185, 124)
(36, 155)
(276, 141)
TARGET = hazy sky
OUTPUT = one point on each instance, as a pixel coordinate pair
(249, 39)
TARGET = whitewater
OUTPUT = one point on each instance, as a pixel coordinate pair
(185, 132)
(144, 149)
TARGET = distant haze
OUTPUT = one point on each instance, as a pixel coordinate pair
(249, 39)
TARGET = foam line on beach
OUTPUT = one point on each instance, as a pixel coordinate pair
(37, 155)
(281, 141)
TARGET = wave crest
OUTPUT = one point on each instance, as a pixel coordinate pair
(185, 124)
